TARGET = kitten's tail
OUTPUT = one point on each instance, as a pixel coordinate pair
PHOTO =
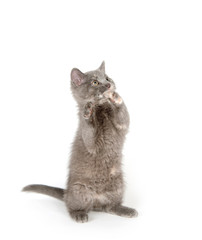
(47, 190)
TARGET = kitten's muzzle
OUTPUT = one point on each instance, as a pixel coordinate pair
(108, 85)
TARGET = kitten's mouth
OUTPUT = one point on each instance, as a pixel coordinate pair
(107, 92)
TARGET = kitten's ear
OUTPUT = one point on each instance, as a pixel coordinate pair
(102, 67)
(77, 77)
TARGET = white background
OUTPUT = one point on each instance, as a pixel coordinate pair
(153, 51)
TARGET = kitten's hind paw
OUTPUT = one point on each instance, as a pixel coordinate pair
(123, 211)
(79, 216)
(88, 110)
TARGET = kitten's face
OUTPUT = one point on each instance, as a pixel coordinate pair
(90, 85)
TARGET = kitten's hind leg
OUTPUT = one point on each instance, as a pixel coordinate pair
(123, 211)
(78, 200)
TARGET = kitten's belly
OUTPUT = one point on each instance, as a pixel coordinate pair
(112, 193)
(107, 186)
(107, 198)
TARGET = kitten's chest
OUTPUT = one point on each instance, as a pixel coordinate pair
(103, 116)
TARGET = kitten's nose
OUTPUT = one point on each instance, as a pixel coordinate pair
(108, 85)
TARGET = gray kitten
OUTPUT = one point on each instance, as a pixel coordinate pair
(95, 179)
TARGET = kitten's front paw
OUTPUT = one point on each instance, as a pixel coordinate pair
(115, 98)
(108, 94)
(88, 110)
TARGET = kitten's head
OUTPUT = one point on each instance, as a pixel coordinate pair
(90, 85)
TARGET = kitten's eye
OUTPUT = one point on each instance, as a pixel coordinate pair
(95, 83)
(107, 79)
